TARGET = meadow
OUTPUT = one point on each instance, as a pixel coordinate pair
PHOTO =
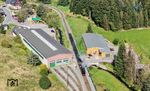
(104, 81)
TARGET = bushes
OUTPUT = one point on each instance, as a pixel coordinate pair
(41, 11)
(45, 1)
(146, 84)
(17, 39)
(51, 18)
(2, 31)
(63, 2)
(89, 29)
(22, 15)
(5, 43)
(43, 70)
(34, 60)
(116, 41)
(44, 82)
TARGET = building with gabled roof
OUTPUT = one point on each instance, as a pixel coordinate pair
(96, 45)
(13, 2)
(48, 49)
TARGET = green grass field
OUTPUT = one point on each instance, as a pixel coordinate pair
(139, 39)
(13, 64)
(104, 80)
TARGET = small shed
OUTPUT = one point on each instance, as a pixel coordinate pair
(2, 12)
(13, 2)
(96, 45)
(36, 19)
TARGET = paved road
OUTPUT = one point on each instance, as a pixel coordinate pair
(8, 18)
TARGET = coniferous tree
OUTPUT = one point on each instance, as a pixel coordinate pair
(89, 29)
(63, 2)
(105, 23)
(146, 85)
(119, 61)
(121, 14)
(130, 73)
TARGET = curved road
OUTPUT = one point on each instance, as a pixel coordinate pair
(8, 18)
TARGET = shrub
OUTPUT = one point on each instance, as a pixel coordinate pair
(6, 44)
(116, 41)
(41, 10)
(44, 70)
(146, 84)
(34, 60)
(22, 15)
(17, 39)
(63, 2)
(21, 52)
(2, 31)
(44, 82)
(45, 1)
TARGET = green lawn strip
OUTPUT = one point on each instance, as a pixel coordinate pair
(64, 36)
(103, 79)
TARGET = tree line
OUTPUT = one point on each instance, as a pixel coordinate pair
(114, 14)
(138, 79)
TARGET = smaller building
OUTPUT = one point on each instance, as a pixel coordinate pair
(96, 46)
(48, 49)
(13, 2)
(2, 12)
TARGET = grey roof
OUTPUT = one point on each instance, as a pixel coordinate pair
(10, 1)
(94, 40)
(1, 11)
(39, 44)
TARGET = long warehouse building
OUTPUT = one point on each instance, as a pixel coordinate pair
(48, 49)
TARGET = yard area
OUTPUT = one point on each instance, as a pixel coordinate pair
(13, 64)
(139, 39)
(104, 80)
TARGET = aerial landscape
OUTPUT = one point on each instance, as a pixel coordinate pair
(74, 45)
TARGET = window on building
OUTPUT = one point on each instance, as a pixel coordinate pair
(107, 55)
(52, 64)
(65, 60)
(59, 61)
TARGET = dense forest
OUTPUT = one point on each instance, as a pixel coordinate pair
(114, 14)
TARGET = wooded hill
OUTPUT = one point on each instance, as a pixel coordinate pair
(114, 14)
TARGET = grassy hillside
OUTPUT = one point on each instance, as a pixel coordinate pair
(104, 80)
(13, 64)
(138, 38)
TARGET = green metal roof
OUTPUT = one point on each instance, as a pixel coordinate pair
(36, 19)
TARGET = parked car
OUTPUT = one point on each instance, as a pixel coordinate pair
(4, 6)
